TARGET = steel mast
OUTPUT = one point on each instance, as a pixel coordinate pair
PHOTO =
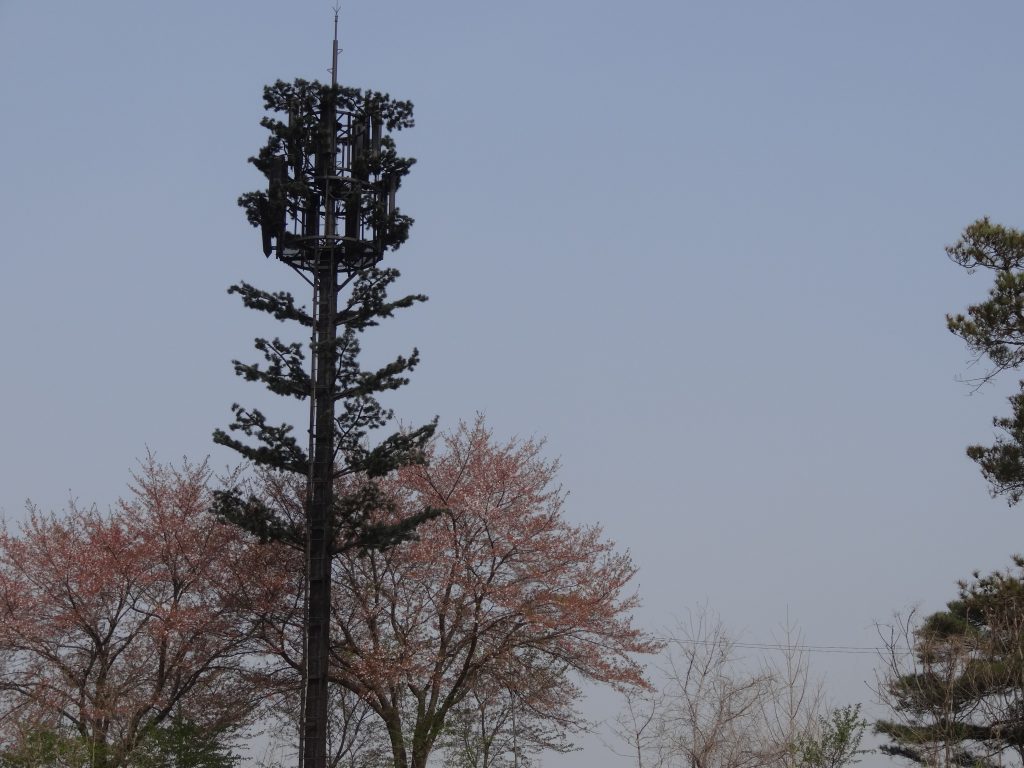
(320, 489)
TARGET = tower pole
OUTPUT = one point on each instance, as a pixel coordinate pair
(320, 499)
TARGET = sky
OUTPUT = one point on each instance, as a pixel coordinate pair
(697, 246)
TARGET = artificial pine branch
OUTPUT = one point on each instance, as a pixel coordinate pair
(387, 378)
(279, 450)
(377, 537)
(396, 451)
(368, 300)
(281, 304)
(251, 514)
(285, 374)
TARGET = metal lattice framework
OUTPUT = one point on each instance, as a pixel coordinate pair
(347, 181)
(329, 213)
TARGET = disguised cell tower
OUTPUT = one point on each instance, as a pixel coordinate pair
(329, 213)
(342, 182)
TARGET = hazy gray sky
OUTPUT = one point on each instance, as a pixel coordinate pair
(698, 245)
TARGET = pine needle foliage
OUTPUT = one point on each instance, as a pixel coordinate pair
(994, 330)
(958, 696)
(299, 138)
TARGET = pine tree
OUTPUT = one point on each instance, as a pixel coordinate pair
(994, 329)
(958, 696)
(329, 213)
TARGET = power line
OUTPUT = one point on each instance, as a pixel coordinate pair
(802, 647)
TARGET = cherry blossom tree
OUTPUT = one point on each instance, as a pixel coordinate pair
(495, 594)
(113, 626)
(499, 726)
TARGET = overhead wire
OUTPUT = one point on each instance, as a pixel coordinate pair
(781, 647)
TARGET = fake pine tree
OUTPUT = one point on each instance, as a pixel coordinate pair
(329, 213)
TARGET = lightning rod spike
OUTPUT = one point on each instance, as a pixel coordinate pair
(334, 54)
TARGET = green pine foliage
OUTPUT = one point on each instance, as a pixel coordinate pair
(296, 139)
(994, 330)
(961, 701)
(181, 744)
